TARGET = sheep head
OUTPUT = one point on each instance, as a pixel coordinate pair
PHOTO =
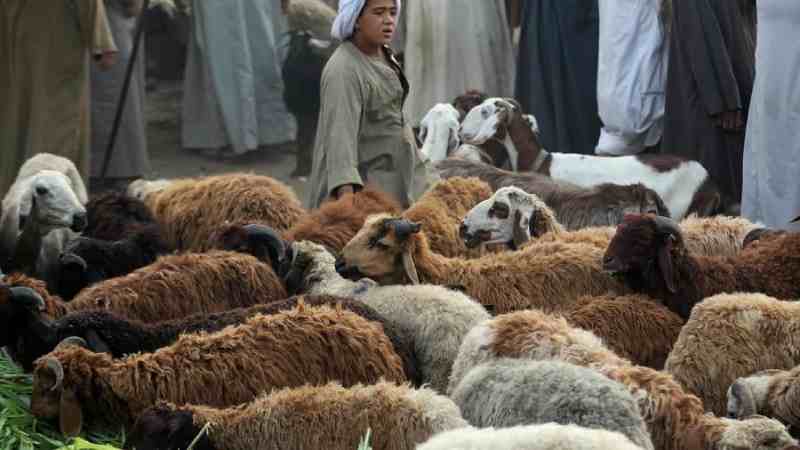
(165, 427)
(643, 250)
(260, 241)
(53, 397)
(15, 303)
(622, 200)
(380, 251)
(50, 200)
(748, 396)
(489, 120)
(511, 216)
(438, 131)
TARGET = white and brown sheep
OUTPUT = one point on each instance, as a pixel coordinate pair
(327, 417)
(289, 349)
(683, 184)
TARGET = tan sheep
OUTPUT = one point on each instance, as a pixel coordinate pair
(730, 336)
(772, 393)
(191, 209)
(675, 419)
(392, 250)
(328, 417)
(288, 349)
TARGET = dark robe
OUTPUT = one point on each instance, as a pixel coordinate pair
(711, 70)
(557, 72)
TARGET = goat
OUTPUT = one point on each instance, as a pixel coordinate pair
(683, 184)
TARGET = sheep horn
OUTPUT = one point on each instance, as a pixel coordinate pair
(667, 226)
(796, 219)
(55, 366)
(404, 228)
(28, 298)
(276, 246)
(73, 259)
(72, 340)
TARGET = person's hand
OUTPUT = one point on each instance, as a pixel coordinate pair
(106, 60)
(729, 120)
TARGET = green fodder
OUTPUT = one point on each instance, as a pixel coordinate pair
(19, 429)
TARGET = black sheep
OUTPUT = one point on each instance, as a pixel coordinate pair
(110, 333)
(86, 261)
(113, 215)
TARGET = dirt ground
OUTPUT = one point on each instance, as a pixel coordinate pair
(169, 160)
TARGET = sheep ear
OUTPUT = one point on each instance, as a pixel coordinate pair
(78, 186)
(97, 343)
(665, 264)
(522, 232)
(70, 416)
(409, 267)
(745, 401)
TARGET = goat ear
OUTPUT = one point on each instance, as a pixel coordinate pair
(744, 400)
(70, 416)
(97, 343)
(521, 233)
(665, 264)
(409, 267)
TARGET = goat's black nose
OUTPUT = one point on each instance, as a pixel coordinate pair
(462, 231)
(79, 222)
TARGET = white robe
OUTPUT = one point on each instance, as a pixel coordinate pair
(631, 76)
(455, 45)
(771, 192)
(233, 92)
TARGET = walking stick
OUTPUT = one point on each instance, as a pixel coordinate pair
(125, 87)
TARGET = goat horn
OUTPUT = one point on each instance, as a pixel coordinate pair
(55, 366)
(276, 246)
(27, 297)
(72, 340)
(667, 226)
(404, 228)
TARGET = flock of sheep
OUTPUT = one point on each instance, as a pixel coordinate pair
(528, 300)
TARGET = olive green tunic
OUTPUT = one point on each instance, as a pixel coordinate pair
(44, 73)
(362, 136)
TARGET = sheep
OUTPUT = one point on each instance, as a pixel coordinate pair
(708, 236)
(309, 15)
(634, 326)
(547, 436)
(747, 333)
(684, 185)
(436, 318)
(36, 335)
(86, 261)
(190, 210)
(142, 189)
(649, 253)
(772, 393)
(51, 187)
(112, 215)
(393, 250)
(675, 418)
(178, 285)
(468, 100)
(226, 368)
(327, 417)
(575, 207)
(510, 392)
(438, 130)
(15, 302)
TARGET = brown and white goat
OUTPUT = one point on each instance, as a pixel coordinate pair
(683, 184)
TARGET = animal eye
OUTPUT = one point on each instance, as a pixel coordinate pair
(485, 113)
(40, 190)
(499, 210)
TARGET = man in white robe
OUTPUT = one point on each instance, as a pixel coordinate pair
(233, 93)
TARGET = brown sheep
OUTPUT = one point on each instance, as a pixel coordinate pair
(226, 368)
(111, 216)
(745, 333)
(179, 285)
(328, 417)
(393, 250)
(190, 210)
(633, 326)
(675, 419)
(649, 253)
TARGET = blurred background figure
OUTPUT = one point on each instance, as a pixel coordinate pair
(771, 193)
(130, 159)
(631, 75)
(709, 82)
(455, 45)
(233, 92)
(45, 47)
(557, 72)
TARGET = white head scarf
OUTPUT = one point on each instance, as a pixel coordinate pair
(345, 22)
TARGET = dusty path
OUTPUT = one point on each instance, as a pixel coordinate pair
(169, 160)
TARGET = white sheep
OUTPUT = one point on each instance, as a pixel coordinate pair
(438, 131)
(436, 317)
(549, 436)
(55, 186)
(683, 184)
(510, 392)
(140, 189)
